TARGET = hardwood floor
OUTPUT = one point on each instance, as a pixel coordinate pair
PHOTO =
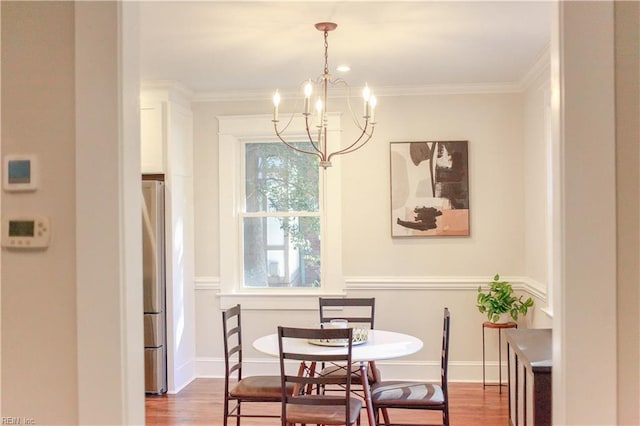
(200, 403)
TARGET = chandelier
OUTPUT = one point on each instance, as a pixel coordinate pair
(319, 123)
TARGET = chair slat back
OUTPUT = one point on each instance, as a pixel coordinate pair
(307, 383)
(232, 331)
(356, 310)
(444, 360)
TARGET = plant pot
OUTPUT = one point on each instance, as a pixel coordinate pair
(502, 319)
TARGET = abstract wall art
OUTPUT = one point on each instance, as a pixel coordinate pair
(429, 189)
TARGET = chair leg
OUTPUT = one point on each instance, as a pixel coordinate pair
(238, 413)
(385, 416)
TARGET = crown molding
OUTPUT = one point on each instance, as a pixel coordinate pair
(173, 88)
(388, 91)
(539, 68)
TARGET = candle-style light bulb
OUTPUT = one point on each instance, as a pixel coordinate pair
(373, 101)
(366, 94)
(276, 102)
(308, 90)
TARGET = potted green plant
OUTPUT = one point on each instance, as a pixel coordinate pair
(500, 300)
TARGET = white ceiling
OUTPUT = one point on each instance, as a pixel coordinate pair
(221, 47)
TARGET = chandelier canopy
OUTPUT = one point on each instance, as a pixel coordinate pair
(319, 144)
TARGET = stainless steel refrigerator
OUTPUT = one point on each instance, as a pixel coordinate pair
(153, 277)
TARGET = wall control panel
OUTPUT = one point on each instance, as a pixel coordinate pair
(20, 173)
(26, 232)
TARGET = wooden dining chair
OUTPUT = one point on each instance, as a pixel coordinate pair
(359, 312)
(388, 395)
(237, 388)
(305, 405)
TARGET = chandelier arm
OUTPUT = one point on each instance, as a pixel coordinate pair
(369, 136)
(350, 150)
(304, 151)
(284, 129)
(311, 141)
(355, 120)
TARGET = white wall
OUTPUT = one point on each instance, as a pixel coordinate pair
(627, 15)
(71, 314)
(585, 295)
(412, 279)
(39, 288)
(493, 126)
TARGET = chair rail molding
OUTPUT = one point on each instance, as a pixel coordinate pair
(307, 300)
(462, 283)
(207, 283)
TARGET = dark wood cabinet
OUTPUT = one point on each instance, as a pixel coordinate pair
(529, 361)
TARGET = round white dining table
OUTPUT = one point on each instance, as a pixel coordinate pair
(380, 344)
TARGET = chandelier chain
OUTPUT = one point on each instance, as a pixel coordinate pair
(326, 53)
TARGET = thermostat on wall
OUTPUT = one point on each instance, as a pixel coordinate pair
(26, 232)
(19, 173)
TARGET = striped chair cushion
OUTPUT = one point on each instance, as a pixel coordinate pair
(323, 414)
(334, 370)
(258, 386)
(406, 393)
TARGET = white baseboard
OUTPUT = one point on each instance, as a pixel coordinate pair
(183, 375)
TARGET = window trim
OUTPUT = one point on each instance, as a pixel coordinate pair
(232, 132)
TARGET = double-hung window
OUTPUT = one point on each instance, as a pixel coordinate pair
(280, 217)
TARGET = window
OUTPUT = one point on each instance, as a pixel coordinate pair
(281, 217)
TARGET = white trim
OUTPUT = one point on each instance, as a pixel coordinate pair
(307, 299)
(431, 89)
(233, 130)
(535, 288)
(540, 67)
(449, 283)
(450, 89)
(183, 375)
(464, 283)
(548, 311)
(167, 86)
(207, 283)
